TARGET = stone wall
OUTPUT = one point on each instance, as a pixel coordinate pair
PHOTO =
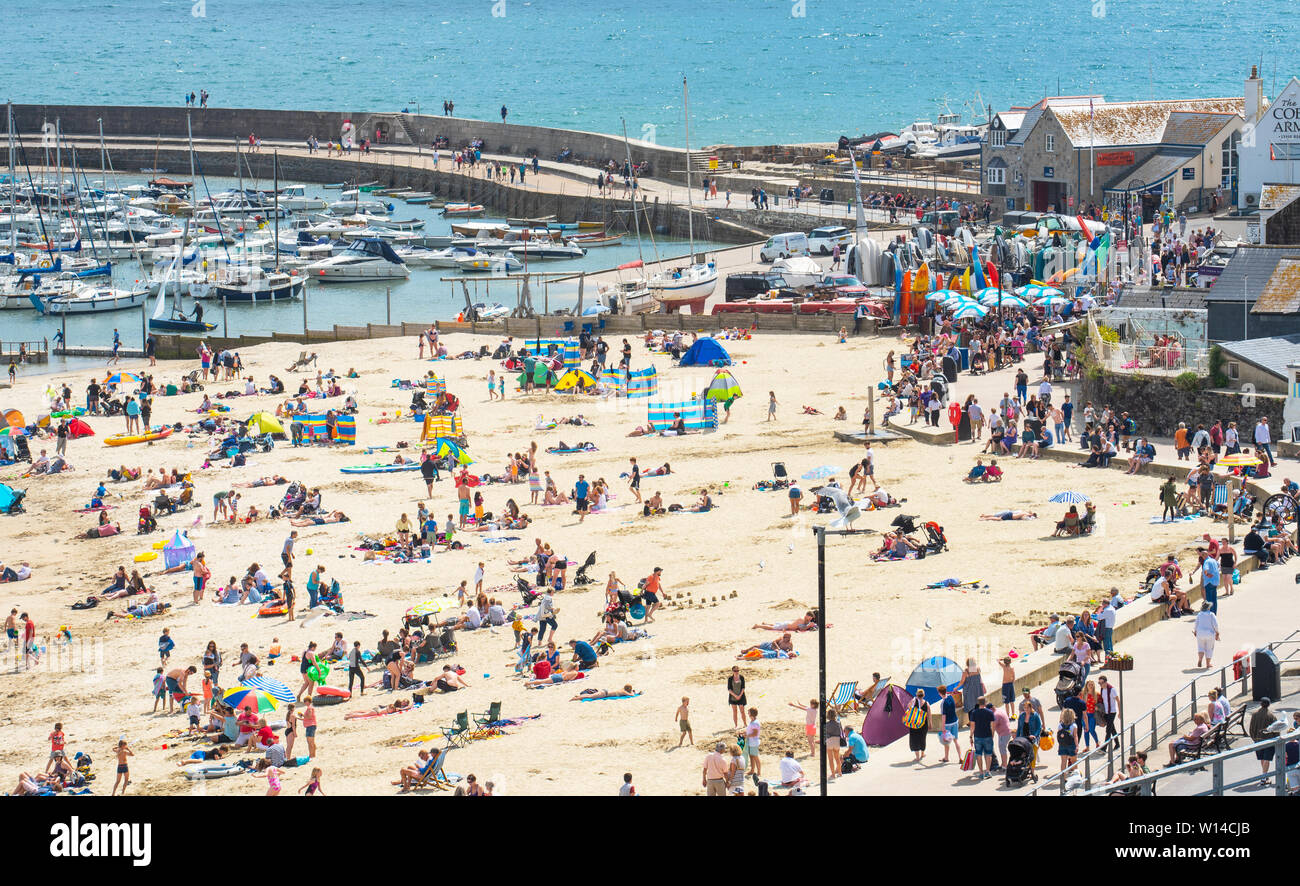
(1159, 404)
(237, 123)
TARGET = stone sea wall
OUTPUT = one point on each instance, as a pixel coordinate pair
(1160, 404)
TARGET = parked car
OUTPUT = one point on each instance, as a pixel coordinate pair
(741, 287)
(824, 239)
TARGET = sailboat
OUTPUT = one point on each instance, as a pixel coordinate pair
(688, 286)
(175, 321)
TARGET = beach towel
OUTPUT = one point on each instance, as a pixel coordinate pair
(756, 654)
(608, 698)
(887, 558)
(555, 450)
(1184, 519)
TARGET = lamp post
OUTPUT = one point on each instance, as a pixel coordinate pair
(419, 146)
(821, 532)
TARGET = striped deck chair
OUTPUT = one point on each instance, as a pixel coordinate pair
(844, 698)
(434, 776)
(1219, 503)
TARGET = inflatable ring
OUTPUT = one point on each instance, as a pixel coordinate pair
(329, 695)
(281, 609)
(146, 556)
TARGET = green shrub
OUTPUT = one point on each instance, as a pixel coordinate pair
(1218, 377)
(1188, 381)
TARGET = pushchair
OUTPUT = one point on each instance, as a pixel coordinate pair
(581, 578)
(1020, 763)
(905, 522)
(11, 500)
(937, 541)
(526, 590)
(780, 477)
(1070, 682)
(22, 451)
(146, 523)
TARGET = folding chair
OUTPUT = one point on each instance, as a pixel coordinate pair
(434, 776)
(844, 698)
(455, 733)
(492, 715)
(1220, 500)
(300, 362)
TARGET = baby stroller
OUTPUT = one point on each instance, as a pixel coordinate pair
(780, 478)
(527, 591)
(1070, 682)
(264, 443)
(147, 523)
(1020, 763)
(937, 541)
(581, 578)
(905, 522)
(22, 452)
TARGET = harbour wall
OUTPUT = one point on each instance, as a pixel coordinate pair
(589, 148)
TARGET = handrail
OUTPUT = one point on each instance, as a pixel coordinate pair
(1144, 783)
(1157, 722)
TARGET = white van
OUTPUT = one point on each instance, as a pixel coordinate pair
(784, 246)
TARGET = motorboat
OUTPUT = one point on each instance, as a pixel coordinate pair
(446, 257)
(357, 206)
(590, 241)
(483, 263)
(544, 250)
(463, 210)
(493, 311)
(627, 297)
(295, 198)
(368, 259)
(251, 283)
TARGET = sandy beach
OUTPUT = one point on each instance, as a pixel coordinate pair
(746, 561)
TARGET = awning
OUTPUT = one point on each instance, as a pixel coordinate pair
(1158, 169)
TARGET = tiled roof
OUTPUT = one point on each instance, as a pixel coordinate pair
(1158, 167)
(1026, 126)
(1277, 196)
(1270, 354)
(1193, 128)
(1133, 123)
(1173, 299)
(1281, 294)
(1248, 272)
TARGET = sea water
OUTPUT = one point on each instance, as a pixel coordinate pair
(760, 71)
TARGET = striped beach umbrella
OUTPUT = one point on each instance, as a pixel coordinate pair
(251, 699)
(271, 687)
(123, 378)
(969, 311)
(942, 295)
(1069, 498)
(1008, 300)
(1051, 301)
(1238, 460)
(989, 292)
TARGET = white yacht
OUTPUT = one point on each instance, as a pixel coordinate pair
(369, 259)
(295, 197)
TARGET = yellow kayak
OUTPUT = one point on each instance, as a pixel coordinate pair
(127, 439)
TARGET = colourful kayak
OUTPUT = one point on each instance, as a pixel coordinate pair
(159, 433)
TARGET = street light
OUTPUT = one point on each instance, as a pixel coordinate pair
(419, 143)
(821, 532)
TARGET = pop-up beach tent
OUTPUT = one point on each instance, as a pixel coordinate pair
(705, 352)
(935, 671)
(178, 551)
(884, 721)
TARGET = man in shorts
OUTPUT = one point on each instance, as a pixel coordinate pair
(653, 584)
(580, 491)
(286, 556)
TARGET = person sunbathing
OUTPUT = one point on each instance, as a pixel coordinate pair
(142, 611)
(555, 497)
(809, 410)
(331, 517)
(274, 480)
(588, 694)
(569, 674)
(152, 482)
(1010, 515)
(780, 644)
(400, 704)
(661, 471)
(806, 622)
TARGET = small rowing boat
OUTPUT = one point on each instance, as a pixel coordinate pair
(154, 433)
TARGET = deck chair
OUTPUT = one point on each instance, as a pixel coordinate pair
(1220, 500)
(434, 776)
(492, 715)
(844, 698)
(455, 733)
(581, 578)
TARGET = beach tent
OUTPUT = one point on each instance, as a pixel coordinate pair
(265, 423)
(8, 495)
(442, 426)
(706, 352)
(935, 671)
(884, 721)
(178, 551)
(78, 428)
(575, 378)
(723, 387)
(13, 418)
(443, 447)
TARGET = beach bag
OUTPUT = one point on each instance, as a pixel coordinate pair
(968, 761)
(1046, 742)
(915, 718)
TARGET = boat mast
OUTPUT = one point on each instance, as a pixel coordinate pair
(635, 218)
(13, 183)
(690, 204)
(275, 172)
(194, 190)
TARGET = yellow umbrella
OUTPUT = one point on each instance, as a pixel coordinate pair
(1238, 460)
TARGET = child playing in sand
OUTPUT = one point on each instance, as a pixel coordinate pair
(312, 788)
(683, 717)
(123, 771)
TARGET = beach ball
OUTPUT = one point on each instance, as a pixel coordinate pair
(309, 550)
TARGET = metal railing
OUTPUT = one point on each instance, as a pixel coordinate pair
(1162, 721)
(1144, 785)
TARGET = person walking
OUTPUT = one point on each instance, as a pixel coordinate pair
(1107, 705)
(771, 405)
(1264, 440)
(917, 720)
(951, 725)
(1206, 631)
(354, 667)
(714, 778)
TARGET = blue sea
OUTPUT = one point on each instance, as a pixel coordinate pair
(760, 71)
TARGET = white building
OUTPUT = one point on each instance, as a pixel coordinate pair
(1269, 152)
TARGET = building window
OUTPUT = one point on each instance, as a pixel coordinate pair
(1050, 147)
(997, 175)
(1228, 171)
(998, 138)
(1284, 151)
(1234, 369)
